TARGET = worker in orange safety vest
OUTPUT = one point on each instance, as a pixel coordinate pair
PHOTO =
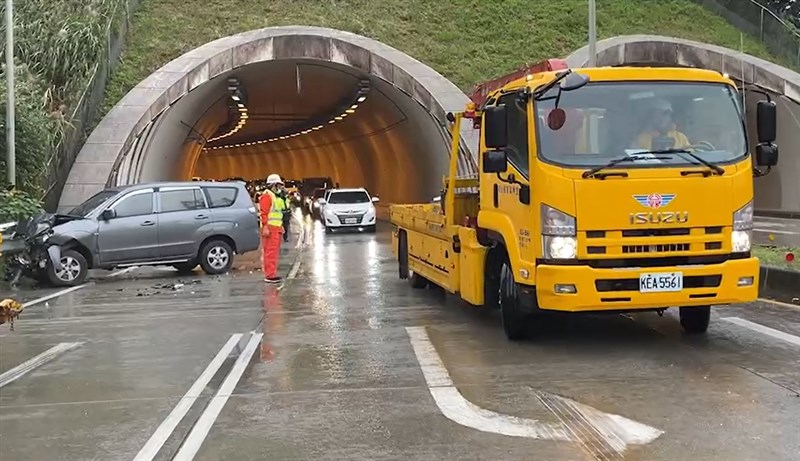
(271, 210)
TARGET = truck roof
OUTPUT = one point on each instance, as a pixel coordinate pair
(631, 74)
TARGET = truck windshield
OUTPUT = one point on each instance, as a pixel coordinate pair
(348, 198)
(604, 121)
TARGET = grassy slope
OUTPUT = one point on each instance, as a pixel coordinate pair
(465, 40)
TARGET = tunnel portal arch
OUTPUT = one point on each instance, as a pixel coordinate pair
(125, 136)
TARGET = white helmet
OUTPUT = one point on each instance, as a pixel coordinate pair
(274, 179)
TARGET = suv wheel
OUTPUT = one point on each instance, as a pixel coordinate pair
(185, 268)
(216, 257)
(74, 270)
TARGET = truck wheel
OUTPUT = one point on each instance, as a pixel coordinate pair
(695, 319)
(515, 323)
(417, 281)
(74, 270)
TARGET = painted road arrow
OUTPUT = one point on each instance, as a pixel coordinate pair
(604, 435)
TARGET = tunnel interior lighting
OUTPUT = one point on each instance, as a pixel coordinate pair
(350, 108)
(237, 96)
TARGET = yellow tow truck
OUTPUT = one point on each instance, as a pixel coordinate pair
(600, 190)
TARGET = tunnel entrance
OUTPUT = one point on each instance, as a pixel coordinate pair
(297, 101)
(298, 118)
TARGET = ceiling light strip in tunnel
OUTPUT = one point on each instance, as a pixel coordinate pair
(237, 97)
(359, 98)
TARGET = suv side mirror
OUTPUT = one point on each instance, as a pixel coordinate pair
(108, 214)
(495, 127)
(766, 117)
(495, 161)
(767, 154)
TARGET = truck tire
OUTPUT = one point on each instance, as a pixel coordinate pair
(74, 270)
(402, 254)
(694, 320)
(515, 323)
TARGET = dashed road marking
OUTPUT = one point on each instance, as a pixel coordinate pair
(26, 367)
(604, 435)
(757, 327)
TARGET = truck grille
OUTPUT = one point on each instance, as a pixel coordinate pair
(655, 242)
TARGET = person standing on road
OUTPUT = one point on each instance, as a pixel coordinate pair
(271, 210)
(283, 195)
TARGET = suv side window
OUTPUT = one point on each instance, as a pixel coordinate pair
(517, 132)
(220, 197)
(135, 204)
(181, 200)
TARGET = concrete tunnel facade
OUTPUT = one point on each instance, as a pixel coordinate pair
(395, 143)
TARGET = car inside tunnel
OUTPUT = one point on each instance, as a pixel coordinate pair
(298, 118)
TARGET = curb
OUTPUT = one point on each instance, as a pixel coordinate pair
(779, 284)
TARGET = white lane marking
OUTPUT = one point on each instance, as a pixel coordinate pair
(763, 330)
(617, 431)
(294, 269)
(24, 368)
(54, 295)
(122, 271)
(162, 433)
(200, 430)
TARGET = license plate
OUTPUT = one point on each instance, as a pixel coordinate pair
(350, 220)
(660, 282)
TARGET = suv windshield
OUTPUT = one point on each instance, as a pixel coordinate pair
(611, 119)
(92, 203)
(348, 197)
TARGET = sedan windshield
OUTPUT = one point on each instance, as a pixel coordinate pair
(92, 203)
(604, 121)
(348, 198)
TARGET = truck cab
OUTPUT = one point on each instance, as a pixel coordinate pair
(610, 190)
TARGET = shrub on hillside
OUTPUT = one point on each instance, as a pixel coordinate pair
(16, 205)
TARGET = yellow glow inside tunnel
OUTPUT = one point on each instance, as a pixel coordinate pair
(389, 144)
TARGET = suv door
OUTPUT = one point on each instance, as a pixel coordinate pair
(132, 234)
(184, 221)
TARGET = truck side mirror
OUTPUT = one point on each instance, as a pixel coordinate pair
(767, 120)
(495, 161)
(108, 214)
(495, 124)
(767, 154)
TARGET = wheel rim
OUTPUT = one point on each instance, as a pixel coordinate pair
(218, 257)
(70, 269)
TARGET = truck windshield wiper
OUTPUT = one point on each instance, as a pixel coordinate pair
(716, 168)
(616, 161)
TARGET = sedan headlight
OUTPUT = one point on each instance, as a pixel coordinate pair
(558, 234)
(741, 237)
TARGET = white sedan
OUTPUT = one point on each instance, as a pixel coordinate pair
(349, 209)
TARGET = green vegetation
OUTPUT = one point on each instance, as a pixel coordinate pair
(17, 205)
(465, 40)
(57, 45)
(776, 257)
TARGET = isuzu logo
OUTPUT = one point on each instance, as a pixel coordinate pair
(662, 217)
(656, 201)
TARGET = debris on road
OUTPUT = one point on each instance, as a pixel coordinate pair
(9, 310)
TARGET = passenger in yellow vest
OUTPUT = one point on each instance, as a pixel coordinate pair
(662, 133)
(271, 210)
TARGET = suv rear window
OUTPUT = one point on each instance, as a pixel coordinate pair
(220, 197)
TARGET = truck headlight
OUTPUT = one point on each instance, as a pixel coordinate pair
(558, 234)
(741, 237)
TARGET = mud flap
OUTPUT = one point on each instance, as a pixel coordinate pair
(54, 253)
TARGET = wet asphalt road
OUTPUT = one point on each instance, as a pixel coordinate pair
(338, 376)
